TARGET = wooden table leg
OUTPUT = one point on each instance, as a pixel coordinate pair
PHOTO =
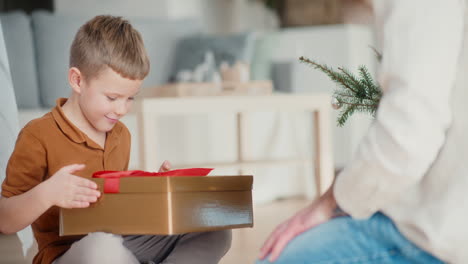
(323, 158)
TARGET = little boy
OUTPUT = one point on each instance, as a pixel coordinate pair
(55, 154)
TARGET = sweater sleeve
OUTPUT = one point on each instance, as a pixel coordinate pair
(420, 41)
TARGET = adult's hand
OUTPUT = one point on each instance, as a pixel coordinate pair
(320, 211)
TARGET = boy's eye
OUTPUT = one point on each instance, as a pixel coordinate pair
(131, 98)
(111, 98)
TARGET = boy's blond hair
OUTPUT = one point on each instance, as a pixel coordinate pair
(109, 41)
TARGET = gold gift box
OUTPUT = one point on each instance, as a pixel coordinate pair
(165, 206)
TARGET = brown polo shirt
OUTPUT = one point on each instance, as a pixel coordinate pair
(44, 146)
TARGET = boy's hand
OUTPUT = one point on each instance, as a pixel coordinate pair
(66, 190)
(165, 166)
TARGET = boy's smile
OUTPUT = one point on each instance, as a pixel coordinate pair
(112, 120)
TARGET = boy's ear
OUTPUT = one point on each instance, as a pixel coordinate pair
(75, 79)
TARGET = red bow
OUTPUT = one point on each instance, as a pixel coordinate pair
(112, 178)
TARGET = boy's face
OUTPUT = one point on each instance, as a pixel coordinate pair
(107, 98)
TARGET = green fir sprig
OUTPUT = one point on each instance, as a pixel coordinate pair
(353, 94)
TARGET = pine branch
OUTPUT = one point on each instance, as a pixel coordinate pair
(345, 115)
(335, 76)
(366, 102)
(365, 105)
(377, 53)
(369, 82)
(359, 89)
(353, 94)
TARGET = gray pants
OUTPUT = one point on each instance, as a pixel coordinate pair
(191, 248)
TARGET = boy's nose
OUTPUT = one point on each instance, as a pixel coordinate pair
(121, 109)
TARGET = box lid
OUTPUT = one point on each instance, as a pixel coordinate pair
(181, 184)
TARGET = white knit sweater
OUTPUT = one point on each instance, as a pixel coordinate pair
(413, 163)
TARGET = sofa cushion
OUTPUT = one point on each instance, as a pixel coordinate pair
(54, 34)
(20, 48)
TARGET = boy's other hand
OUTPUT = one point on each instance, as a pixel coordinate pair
(66, 190)
(165, 166)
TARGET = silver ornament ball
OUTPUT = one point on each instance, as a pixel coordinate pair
(335, 103)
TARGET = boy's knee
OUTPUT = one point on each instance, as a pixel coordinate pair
(104, 248)
(222, 240)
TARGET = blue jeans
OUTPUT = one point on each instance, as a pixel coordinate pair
(345, 240)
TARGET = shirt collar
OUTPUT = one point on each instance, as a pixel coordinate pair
(76, 135)
(67, 127)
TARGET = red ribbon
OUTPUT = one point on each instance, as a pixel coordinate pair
(112, 178)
